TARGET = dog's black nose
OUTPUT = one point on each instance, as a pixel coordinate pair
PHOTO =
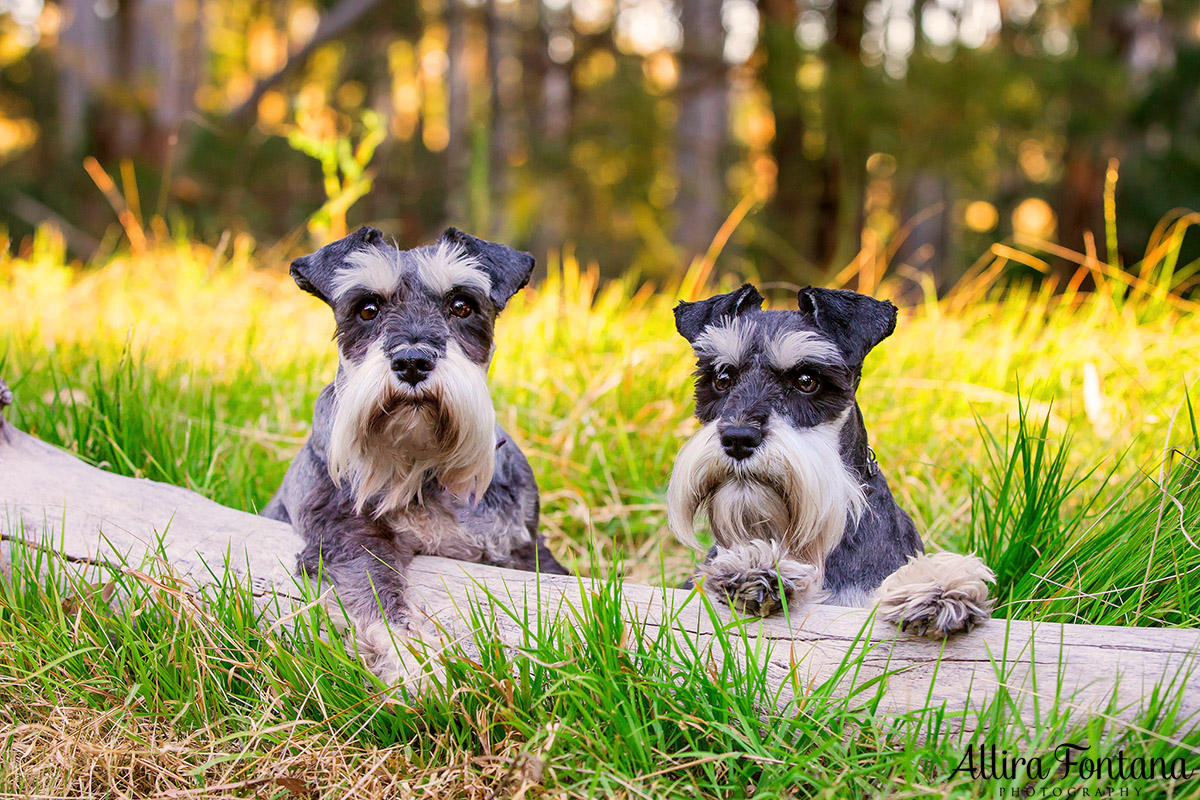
(412, 366)
(740, 443)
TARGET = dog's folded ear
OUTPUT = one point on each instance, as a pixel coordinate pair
(855, 322)
(508, 269)
(314, 273)
(692, 318)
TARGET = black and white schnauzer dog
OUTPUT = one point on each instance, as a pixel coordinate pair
(405, 455)
(798, 507)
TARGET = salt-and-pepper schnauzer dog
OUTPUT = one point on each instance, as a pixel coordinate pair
(405, 456)
(798, 507)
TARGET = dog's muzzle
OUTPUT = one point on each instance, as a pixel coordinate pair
(408, 414)
(761, 483)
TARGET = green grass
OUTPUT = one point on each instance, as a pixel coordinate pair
(1051, 433)
(168, 693)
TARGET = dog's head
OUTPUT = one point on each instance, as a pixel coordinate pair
(774, 389)
(414, 338)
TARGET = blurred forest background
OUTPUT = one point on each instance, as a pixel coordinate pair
(912, 134)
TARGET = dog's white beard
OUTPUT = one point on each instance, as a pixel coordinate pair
(794, 489)
(386, 440)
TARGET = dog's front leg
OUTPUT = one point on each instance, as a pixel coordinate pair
(372, 589)
(758, 578)
(367, 566)
(937, 595)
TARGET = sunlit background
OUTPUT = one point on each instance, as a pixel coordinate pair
(912, 134)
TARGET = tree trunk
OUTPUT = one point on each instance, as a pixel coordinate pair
(700, 129)
(170, 53)
(505, 70)
(926, 211)
(1081, 207)
(1104, 38)
(458, 147)
(843, 179)
(790, 208)
(122, 132)
(97, 521)
(85, 64)
(151, 44)
(553, 92)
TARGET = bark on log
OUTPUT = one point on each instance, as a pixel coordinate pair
(53, 500)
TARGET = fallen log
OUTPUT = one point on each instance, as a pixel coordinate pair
(49, 499)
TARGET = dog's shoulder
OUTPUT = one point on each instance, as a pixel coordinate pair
(513, 484)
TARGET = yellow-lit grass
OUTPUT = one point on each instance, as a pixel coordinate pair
(592, 379)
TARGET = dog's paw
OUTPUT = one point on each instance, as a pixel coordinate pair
(758, 579)
(398, 657)
(937, 595)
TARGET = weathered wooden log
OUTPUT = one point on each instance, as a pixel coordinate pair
(52, 500)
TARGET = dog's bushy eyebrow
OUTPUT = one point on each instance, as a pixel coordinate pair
(802, 347)
(727, 342)
(507, 270)
(315, 273)
(447, 266)
(369, 269)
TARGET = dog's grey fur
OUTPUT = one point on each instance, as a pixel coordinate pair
(405, 456)
(797, 504)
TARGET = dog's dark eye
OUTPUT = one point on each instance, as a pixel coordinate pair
(368, 311)
(723, 380)
(807, 383)
(461, 306)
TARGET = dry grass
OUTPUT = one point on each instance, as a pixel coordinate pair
(55, 750)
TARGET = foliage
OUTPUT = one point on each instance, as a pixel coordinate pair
(847, 121)
(344, 167)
